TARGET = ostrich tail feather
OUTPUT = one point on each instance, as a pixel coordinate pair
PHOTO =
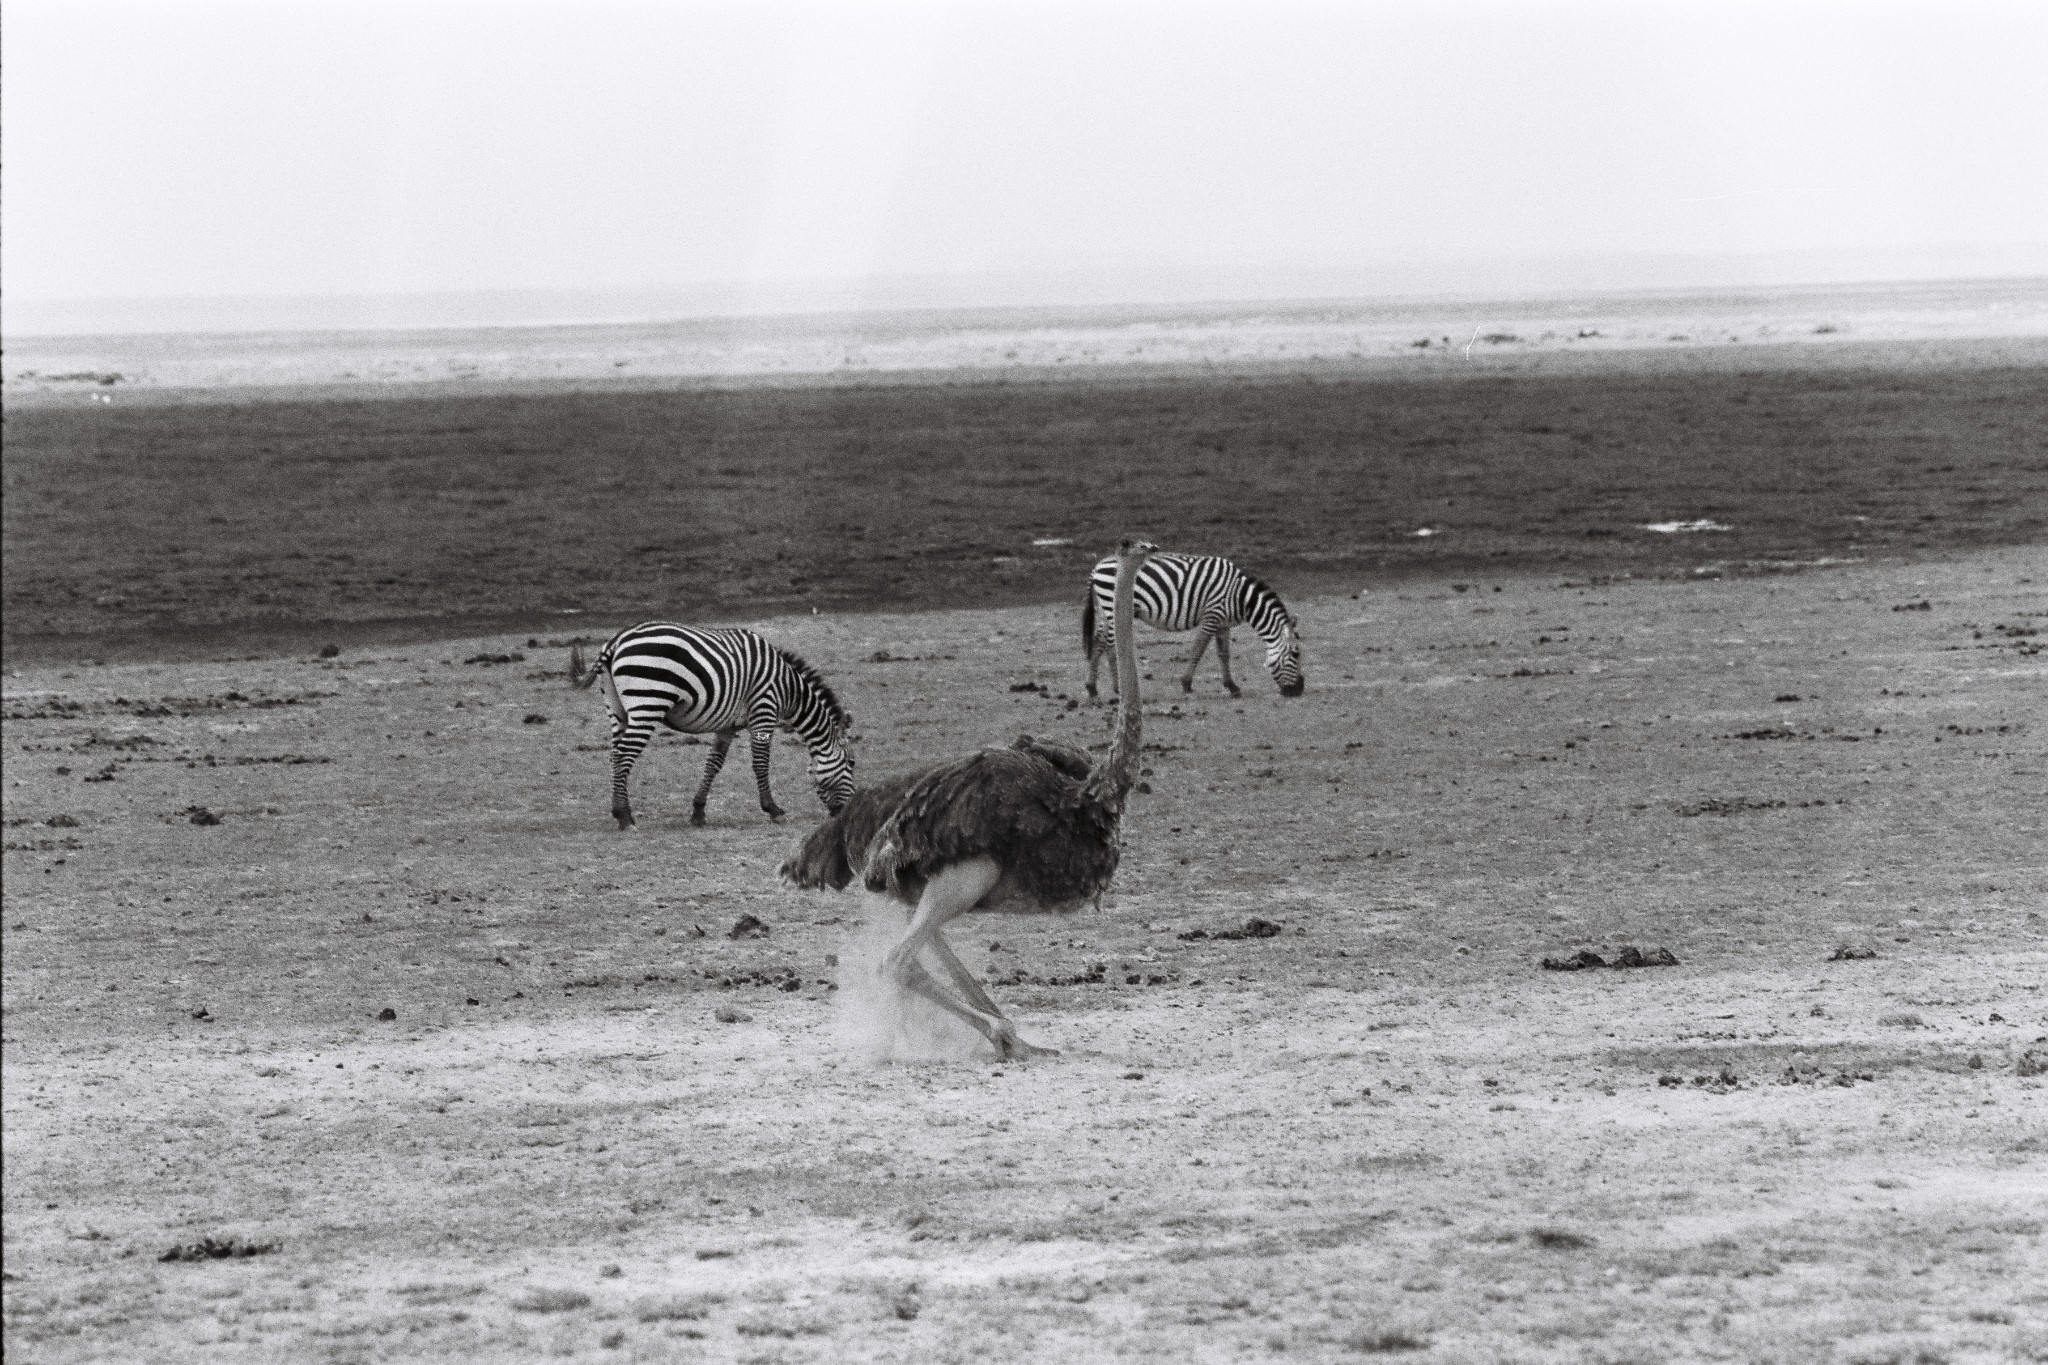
(841, 848)
(820, 860)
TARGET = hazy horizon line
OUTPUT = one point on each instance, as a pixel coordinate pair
(1082, 287)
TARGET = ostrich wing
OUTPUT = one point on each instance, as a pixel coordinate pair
(1056, 848)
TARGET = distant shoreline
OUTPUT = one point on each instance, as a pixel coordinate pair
(1790, 356)
(1340, 338)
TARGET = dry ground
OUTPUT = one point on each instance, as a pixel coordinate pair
(1386, 1130)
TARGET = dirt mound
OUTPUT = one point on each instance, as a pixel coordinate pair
(1628, 956)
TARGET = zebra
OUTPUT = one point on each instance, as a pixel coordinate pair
(716, 682)
(1197, 592)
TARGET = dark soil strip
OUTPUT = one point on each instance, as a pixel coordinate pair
(284, 525)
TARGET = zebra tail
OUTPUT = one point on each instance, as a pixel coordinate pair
(1088, 622)
(578, 677)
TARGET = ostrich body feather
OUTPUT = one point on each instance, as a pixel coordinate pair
(1027, 806)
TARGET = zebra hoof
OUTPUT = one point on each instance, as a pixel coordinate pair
(1232, 689)
(625, 823)
(697, 817)
(776, 815)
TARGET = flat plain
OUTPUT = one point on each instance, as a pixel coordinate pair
(1804, 757)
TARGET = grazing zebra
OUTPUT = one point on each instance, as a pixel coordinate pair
(716, 682)
(1197, 592)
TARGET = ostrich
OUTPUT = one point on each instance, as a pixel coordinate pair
(1030, 829)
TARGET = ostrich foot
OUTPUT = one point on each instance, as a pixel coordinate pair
(1011, 1048)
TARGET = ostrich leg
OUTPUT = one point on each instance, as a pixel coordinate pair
(948, 895)
(964, 980)
(719, 745)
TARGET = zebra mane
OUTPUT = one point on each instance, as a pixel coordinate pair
(816, 680)
(1256, 588)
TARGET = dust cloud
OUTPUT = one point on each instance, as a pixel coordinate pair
(879, 1021)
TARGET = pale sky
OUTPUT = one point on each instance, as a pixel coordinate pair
(192, 147)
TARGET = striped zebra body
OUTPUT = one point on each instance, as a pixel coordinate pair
(716, 682)
(1204, 593)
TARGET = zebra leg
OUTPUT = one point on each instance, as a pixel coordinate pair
(1187, 679)
(1223, 657)
(721, 743)
(1096, 649)
(627, 742)
(763, 741)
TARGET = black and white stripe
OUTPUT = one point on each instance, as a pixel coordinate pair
(716, 682)
(1204, 593)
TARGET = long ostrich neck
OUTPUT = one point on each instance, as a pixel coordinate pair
(1111, 778)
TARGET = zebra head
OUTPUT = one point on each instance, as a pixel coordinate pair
(832, 767)
(815, 714)
(1283, 660)
(1263, 610)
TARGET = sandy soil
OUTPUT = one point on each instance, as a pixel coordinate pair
(1384, 1130)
